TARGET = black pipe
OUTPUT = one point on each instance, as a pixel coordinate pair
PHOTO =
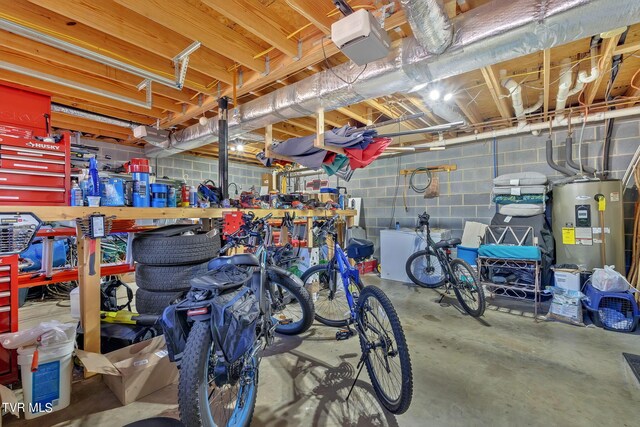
(606, 150)
(552, 164)
(223, 145)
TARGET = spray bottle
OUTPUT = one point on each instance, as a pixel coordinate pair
(94, 179)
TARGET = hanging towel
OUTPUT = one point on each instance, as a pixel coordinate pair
(337, 164)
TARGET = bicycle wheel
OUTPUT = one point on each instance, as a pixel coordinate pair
(330, 299)
(383, 342)
(424, 269)
(201, 401)
(467, 288)
(291, 306)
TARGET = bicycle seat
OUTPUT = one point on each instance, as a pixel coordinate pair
(249, 260)
(452, 243)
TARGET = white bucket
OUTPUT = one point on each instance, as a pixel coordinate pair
(75, 303)
(49, 388)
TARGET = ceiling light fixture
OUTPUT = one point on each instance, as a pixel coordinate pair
(436, 148)
(240, 147)
(434, 95)
(448, 96)
(203, 121)
(232, 148)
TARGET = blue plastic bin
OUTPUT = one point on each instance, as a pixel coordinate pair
(469, 255)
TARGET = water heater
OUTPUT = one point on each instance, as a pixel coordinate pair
(588, 224)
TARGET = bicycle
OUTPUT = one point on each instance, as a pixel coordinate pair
(433, 267)
(217, 333)
(382, 341)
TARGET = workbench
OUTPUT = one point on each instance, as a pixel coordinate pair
(90, 284)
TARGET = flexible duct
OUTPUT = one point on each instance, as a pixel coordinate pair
(59, 108)
(430, 24)
(444, 110)
(494, 32)
(515, 91)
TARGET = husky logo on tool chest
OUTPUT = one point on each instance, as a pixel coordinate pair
(41, 145)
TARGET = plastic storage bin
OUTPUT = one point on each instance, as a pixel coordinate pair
(47, 389)
(614, 311)
(469, 255)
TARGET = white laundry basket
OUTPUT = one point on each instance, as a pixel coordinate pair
(47, 389)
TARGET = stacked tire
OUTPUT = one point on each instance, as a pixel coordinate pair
(166, 265)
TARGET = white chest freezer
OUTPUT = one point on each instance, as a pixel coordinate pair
(396, 246)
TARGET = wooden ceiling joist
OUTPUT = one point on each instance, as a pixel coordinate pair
(256, 19)
(468, 110)
(114, 19)
(57, 57)
(604, 65)
(107, 85)
(315, 12)
(189, 20)
(75, 32)
(282, 67)
(356, 112)
(56, 89)
(495, 88)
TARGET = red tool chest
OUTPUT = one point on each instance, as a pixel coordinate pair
(8, 315)
(32, 171)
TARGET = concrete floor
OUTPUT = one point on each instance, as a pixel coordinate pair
(502, 370)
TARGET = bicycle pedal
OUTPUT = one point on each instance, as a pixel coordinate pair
(344, 334)
(284, 321)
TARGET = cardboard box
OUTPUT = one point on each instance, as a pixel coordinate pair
(134, 371)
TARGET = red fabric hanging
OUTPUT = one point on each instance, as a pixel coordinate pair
(362, 158)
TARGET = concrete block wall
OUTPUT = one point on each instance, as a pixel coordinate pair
(195, 169)
(465, 193)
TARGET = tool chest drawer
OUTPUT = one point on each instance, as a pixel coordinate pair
(5, 299)
(16, 194)
(5, 283)
(20, 177)
(31, 153)
(16, 162)
(5, 319)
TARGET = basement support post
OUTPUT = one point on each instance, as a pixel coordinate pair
(223, 146)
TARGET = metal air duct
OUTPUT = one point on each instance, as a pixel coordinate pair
(430, 24)
(494, 32)
(59, 108)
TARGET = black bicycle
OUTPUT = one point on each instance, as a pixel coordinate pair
(433, 267)
(230, 314)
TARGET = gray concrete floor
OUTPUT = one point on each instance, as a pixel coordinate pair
(502, 370)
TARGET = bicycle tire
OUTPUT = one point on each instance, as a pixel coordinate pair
(412, 265)
(325, 307)
(193, 396)
(303, 300)
(461, 264)
(400, 404)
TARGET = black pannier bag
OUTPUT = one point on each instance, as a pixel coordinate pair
(234, 312)
(359, 248)
(235, 315)
(176, 329)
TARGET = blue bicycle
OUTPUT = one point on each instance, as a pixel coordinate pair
(341, 300)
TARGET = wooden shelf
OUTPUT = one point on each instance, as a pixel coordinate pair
(70, 213)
